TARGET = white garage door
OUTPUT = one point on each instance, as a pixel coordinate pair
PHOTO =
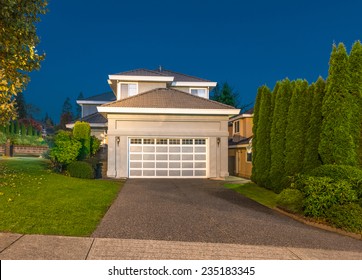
(167, 157)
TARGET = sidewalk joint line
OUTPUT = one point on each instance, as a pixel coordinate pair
(12, 243)
(90, 248)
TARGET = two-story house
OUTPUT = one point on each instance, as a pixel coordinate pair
(163, 125)
(240, 144)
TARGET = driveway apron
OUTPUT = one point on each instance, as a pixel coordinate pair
(198, 210)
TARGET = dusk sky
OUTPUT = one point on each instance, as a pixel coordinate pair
(245, 43)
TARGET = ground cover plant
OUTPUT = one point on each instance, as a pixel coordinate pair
(34, 200)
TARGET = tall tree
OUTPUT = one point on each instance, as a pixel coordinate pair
(337, 144)
(78, 108)
(355, 72)
(18, 55)
(64, 119)
(255, 171)
(67, 107)
(21, 106)
(226, 95)
(278, 130)
(311, 156)
(262, 157)
(298, 117)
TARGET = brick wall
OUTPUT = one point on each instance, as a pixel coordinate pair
(19, 150)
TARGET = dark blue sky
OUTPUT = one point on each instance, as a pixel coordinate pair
(246, 43)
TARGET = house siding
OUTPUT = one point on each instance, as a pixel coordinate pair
(144, 86)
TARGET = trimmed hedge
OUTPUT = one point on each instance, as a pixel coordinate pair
(341, 172)
(347, 217)
(291, 200)
(81, 169)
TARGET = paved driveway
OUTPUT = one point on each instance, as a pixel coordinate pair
(203, 211)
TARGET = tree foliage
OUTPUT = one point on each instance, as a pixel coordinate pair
(81, 132)
(226, 95)
(18, 54)
(311, 155)
(21, 106)
(337, 145)
(255, 171)
(278, 131)
(78, 108)
(261, 160)
(298, 116)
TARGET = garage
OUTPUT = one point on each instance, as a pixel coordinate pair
(167, 157)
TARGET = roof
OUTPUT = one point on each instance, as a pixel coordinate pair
(167, 98)
(239, 140)
(95, 118)
(177, 77)
(250, 111)
(106, 96)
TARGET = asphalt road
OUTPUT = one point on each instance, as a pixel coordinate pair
(197, 210)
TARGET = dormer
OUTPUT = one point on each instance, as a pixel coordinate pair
(130, 83)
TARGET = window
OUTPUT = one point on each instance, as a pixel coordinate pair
(200, 141)
(136, 141)
(249, 157)
(148, 141)
(201, 92)
(187, 142)
(174, 141)
(236, 127)
(161, 141)
(128, 90)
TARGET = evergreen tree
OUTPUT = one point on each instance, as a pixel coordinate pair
(64, 119)
(11, 128)
(278, 130)
(298, 117)
(355, 71)
(67, 107)
(337, 145)
(30, 130)
(227, 95)
(78, 108)
(262, 157)
(311, 155)
(16, 129)
(255, 173)
(23, 129)
(21, 106)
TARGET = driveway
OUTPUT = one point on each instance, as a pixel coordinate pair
(197, 210)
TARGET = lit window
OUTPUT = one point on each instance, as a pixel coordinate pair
(148, 141)
(174, 141)
(201, 92)
(136, 141)
(161, 142)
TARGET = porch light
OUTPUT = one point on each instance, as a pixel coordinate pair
(218, 141)
(118, 139)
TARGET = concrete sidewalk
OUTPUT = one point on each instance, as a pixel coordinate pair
(43, 247)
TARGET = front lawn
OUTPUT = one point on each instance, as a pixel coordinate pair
(254, 192)
(34, 200)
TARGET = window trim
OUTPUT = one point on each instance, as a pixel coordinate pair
(236, 124)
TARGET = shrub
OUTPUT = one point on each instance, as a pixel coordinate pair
(347, 217)
(341, 172)
(291, 200)
(321, 193)
(81, 169)
(95, 145)
(81, 132)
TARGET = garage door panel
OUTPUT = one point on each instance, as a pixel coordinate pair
(184, 158)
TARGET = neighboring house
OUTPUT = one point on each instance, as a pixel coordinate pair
(240, 144)
(162, 124)
(97, 121)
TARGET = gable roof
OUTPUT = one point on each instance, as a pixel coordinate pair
(106, 96)
(171, 101)
(179, 77)
(140, 72)
(94, 120)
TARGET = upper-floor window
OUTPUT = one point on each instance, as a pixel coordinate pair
(236, 127)
(198, 92)
(127, 90)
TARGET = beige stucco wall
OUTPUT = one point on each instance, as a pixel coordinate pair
(146, 86)
(173, 126)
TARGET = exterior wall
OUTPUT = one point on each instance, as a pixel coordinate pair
(171, 126)
(187, 89)
(145, 86)
(89, 109)
(246, 127)
(242, 167)
(17, 150)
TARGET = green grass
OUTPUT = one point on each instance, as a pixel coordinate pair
(254, 192)
(34, 200)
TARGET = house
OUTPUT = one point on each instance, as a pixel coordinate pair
(240, 144)
(162, 124)
(90, 114)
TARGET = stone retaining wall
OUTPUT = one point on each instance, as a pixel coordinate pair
(24, 150)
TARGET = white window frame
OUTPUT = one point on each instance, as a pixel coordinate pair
(206, 92)
(119, 88)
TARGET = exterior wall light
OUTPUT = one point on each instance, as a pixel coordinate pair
(218, 141)
(118, 140)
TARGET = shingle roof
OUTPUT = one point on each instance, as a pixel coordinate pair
(178, 77)
(141, 72)
(239, 140)
(106, 96)
(250, 111)
(167, 98)
(92, 118)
